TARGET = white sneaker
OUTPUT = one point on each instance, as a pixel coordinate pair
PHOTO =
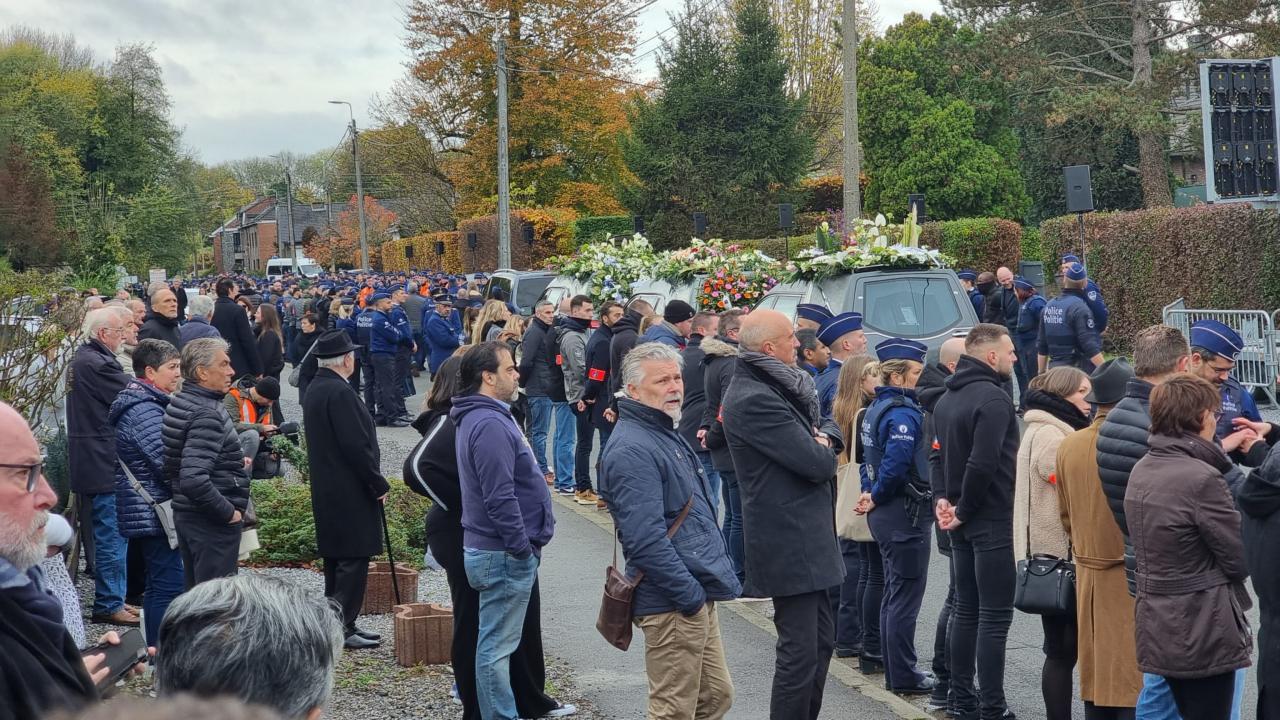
(564, 710)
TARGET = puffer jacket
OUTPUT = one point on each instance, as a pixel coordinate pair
(1191, 601)
(138, 417)
(537, 370)
(1122, 442)
(203, 460)
(719, 356)
(647, 475)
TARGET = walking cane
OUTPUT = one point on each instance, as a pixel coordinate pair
(386, 533)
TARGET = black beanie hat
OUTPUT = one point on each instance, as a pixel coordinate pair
(268, 388)
(677, 311)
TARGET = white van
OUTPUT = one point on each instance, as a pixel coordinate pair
(304, 266)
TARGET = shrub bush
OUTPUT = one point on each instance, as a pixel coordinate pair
(287, 529)
(776, 248)
(821, 194)
(552, 235)
(976, 243)
(1214, 256)
(600, 227)
(424, 253)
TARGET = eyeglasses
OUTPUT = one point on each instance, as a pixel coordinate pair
(33, 473)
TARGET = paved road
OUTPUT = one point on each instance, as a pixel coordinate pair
(573, 576)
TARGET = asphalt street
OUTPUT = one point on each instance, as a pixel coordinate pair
(572, 577)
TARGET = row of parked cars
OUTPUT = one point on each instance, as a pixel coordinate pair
(928, 305)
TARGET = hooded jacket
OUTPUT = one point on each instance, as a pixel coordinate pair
(1259, 503)
(505, 502)
(571, 340)
(667, 334)
(719, 356)
(647, 475)
(978, 434)
(929, 390)
(138, 417)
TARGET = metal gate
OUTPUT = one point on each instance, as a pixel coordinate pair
(1258, 363)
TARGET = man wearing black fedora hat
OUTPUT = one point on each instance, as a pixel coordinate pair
(347, 487)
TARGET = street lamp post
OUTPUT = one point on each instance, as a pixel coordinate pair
(355, 151)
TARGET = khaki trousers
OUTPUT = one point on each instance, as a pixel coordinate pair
(684, 659)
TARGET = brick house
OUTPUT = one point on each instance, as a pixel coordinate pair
(246, 241)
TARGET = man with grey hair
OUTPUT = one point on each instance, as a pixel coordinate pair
(197, 325)
(263, 640)
(648, 474)
(128, 339)
(205, 464)
(94, 379)
(347, 487)
(543, 383)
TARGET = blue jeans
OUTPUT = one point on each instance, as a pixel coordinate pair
(713, 481)
(504, 583)
(562, 445)
(109, 550)
(1155, 702)
(733, 522)
(539, 424)
(164, 582)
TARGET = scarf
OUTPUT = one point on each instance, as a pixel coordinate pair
(793, 381)
(1057, 407)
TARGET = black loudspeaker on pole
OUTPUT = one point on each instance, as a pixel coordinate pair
(1079, 198)
(439, 247)
(786, 216)
(527, 231)
(408, 251)
(637, 222)
(700, 225)
(472, 240)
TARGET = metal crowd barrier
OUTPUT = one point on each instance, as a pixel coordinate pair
(1259, 362)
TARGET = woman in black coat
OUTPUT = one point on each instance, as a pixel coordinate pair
(1259, 503)
(308, 333)
(270, 349)
(432, 470)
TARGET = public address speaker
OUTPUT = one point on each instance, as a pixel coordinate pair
(1079, 189)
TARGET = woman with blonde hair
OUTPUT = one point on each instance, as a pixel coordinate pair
(493, 316)
(857, 610)
(1056, 407)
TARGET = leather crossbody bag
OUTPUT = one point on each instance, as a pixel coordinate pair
(1046, 584)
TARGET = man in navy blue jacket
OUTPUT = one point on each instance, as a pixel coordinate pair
(384, 342)
(506, 515)
(442, 334)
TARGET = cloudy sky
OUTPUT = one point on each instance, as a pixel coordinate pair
(254, 78)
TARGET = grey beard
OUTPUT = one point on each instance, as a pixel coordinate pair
(675, 418)
(23, 547)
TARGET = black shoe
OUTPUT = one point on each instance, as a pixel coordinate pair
(938, 701)
(923, 687)
(399, 423)
(368, 635)
(355, 642)
(869, 665)
(848, 652)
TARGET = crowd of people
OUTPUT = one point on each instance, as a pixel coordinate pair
(741, 454)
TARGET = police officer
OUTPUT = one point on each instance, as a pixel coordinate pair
(967, 279)
(895, 482)
(1092, 296)
(384, 343)
(810, 316)
(1068, 332)
(364, 338)
(843, 336)
(405, 350)
(1215, 348)
(1030, 309)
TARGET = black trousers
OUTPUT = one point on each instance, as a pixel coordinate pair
(806, 637)
(528, 669)
(870, 597)
(983, 567)
(209, 550)
(404, 365)
(582, 452)
(366, 382)
(344, 582)
(1207, 698)
(1060, 651)
(135, 575)
(386, 387)
(942, 636)
(354, 380)
(845, 605)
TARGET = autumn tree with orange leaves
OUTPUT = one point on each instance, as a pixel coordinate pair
(342, 247)
(566, 107)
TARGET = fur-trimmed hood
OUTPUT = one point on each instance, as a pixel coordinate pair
(715, 347)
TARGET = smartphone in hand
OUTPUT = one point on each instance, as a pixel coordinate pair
(119, 659)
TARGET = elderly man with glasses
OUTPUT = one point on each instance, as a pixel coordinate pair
(94, 379)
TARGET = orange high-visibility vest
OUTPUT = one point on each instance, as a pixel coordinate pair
(249, 411)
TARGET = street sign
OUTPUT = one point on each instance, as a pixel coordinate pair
(157, 275)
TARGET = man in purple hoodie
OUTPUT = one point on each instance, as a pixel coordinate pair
(506, 515)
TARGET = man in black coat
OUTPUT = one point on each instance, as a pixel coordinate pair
(233, 325)
(347, 487)
(626, 333)
(977, 431)
(695, 394)
(600, 370)
(720, 357)
(786, 462)
(162, 321)
(94, 379)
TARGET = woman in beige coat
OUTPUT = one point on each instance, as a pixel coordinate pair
(1056, 407)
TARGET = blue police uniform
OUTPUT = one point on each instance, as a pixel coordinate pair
(404, 355)
(1027, 335)
(1097, 306)
(1237, 401)
(826, 383)
(830, 332)
(1068, 332)
(978, 299)
(348, 325)
(895, 472)
(1218, 338)
(364, 326)
(384, 341)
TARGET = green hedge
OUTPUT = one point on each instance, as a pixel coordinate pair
(287, 529)
(1215, 256)
(600, 227)
(776, 247)
(976, 243)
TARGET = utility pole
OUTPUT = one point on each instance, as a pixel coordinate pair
(364, 238)
(288, 189)
(852, 148)
(504, 182)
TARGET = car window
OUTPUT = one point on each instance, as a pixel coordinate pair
(528, 292)
(910, 306)
(657, 301)
(554, 294)
(499, 282)
(785, 304)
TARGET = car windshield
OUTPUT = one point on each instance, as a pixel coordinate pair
(529, 291)
(310, 270)
(910, 306)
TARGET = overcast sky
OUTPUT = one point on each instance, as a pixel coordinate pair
(254, 78)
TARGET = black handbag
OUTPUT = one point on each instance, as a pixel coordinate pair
(1046, 584)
